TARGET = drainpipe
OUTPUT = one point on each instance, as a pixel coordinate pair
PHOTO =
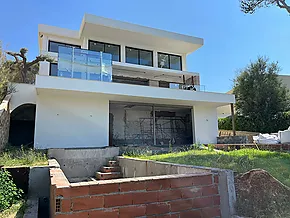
(154, 129)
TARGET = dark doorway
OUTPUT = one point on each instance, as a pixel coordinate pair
(22, 125)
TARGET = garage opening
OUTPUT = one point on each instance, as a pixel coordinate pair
(22, 125)
(144, 124)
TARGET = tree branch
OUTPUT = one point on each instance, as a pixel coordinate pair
(14, 55)
(40, 58)
(282, 4)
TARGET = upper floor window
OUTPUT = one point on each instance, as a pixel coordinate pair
(53, 71)
(53, 46)
(114, 50)
(169, 61)
(139, 56)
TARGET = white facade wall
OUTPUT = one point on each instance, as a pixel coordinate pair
(205, 124)
(85, 45)
(22, 94)
(69, 122)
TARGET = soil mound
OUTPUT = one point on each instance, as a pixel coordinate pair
(261, 195)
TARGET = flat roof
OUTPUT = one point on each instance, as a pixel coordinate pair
(127, 33)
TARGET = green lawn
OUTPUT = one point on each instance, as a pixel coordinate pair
(276, 163)
(22, 157)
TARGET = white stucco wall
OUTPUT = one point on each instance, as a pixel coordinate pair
(205, 124)
(22, 94)
(71, 122)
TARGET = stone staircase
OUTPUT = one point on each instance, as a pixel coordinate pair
(112, 171)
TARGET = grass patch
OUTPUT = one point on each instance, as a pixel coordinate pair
(17, 210)
(22, 157)
(276, 163)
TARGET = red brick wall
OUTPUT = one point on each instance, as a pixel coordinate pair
(184, 195)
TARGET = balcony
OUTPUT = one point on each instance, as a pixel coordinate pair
(90, 65)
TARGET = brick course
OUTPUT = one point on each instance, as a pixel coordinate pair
(174, 196)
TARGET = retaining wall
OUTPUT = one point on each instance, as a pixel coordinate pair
(184, 195)
(132, 167)
(196, 193)
(4, 121)
(82, 163)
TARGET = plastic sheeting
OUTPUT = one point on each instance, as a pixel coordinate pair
(266, 139)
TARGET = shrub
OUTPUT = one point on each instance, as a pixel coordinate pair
(9, 193)
(280, 121)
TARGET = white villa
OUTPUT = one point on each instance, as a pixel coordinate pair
(115, 83)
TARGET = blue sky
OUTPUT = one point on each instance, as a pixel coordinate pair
(231, 38)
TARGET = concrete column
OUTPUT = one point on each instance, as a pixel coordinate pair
(44, 68)
(183, 61)
(154, 83)
(155, 59)
(123, 54)
(205, 124)
(44, 44)
(85, 44)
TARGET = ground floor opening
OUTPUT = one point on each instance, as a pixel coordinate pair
(22, 125)
(145, 124)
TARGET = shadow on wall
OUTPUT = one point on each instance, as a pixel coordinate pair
(22, 125)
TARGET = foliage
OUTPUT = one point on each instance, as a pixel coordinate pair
(24, 69)
(261, 99)
(250, 6)
(9, 193)
(282, 122)
(22, 157)
(241, 161)
(17, 210)
(18, 71)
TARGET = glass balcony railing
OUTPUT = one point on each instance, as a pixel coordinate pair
(84, 64)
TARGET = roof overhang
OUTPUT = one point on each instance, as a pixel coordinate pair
(133, 34)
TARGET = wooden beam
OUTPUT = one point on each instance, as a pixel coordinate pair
(233, 119)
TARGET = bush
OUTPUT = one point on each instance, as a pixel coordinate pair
(9, 193)
(280, 121)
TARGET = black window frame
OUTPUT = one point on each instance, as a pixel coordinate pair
(139, 49)
(162, 53)
(50, 67)
(105, 43)
(64, 44)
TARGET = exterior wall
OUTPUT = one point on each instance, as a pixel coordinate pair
(24, 94)
(133, 167)
(82, 163)
(4, 122)
(224, 111)
(84, 44)
(71, 122)
(184, 195)
(205, 124)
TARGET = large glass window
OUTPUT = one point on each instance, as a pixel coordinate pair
(114, 50)
(53, 69)
(53, 46)
(139, 56)
(169, 61)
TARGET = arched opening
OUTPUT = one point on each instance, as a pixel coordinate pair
(22, 125)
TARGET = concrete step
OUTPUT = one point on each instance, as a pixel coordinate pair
(105, 169)
(111, 175)
(113, 163)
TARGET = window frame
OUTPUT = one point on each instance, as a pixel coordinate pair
(50, 67)
(169, 55)
(105, 43)
(63, 43)
(139, 49)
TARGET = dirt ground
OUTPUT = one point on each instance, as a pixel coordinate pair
(261, 195)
